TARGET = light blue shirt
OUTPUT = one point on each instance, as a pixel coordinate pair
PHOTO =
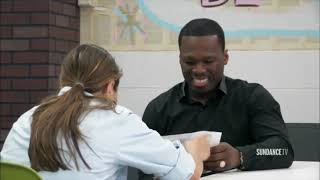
(117, 140)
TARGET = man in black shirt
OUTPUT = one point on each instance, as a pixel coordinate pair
(254, 135)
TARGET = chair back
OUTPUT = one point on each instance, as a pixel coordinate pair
(13, 171)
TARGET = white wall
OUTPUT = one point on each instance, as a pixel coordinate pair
(292, 77)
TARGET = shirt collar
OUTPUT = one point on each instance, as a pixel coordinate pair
(222, 87)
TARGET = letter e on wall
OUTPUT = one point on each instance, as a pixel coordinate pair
(212, 3)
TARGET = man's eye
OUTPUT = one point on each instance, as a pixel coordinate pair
(208, 61)
(190, 63)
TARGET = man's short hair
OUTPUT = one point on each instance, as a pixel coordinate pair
(202, 27)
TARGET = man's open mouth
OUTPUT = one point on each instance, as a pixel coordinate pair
(199, 82)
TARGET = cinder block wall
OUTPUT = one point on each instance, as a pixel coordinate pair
(35, 35)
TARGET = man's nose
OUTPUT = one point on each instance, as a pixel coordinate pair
(199, 68)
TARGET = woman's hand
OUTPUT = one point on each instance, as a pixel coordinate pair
(199, 148)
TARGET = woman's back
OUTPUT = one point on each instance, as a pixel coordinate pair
(114, 140)
(100, 129)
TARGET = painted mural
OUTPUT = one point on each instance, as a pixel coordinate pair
(154, 25)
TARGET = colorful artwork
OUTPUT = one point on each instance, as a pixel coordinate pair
(248, 24)
(128, 23)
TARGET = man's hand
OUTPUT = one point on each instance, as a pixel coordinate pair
(222, 157)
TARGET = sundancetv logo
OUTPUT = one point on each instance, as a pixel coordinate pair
(271, 152)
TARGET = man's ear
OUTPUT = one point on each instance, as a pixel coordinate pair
(226, 57)
(179, 58)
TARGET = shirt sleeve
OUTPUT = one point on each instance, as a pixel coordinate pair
(145, 149)
(151, 117)
(268, 130)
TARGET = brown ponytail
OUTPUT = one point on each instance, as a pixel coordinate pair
(56, 120)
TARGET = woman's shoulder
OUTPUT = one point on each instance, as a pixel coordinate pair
(107, 117)
(25, 119)
(123, 110)
(118, 112)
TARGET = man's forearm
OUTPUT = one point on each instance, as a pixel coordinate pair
(272, 153)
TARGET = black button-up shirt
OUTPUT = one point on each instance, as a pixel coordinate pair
(247, 115)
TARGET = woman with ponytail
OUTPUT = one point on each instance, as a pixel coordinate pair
(81, 129)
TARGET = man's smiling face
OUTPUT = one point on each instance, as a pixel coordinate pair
(202, 61)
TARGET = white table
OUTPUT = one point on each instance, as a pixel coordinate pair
(300, 170)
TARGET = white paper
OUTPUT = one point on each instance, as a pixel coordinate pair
(214, 137)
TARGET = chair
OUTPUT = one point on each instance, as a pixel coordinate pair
(13, 171)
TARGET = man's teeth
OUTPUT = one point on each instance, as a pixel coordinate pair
(200, 80)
